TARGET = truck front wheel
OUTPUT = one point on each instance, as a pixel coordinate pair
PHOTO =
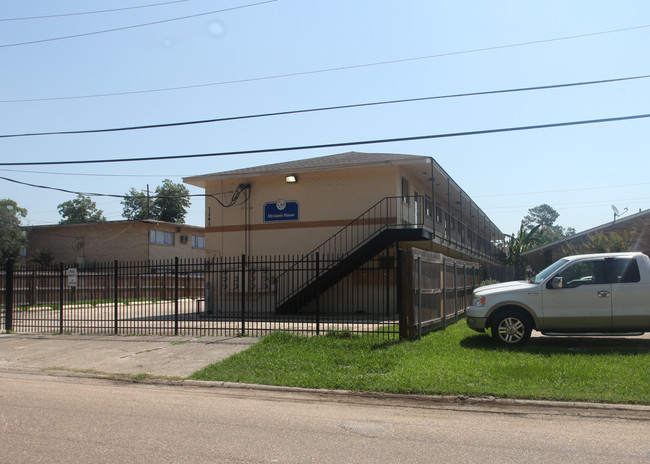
(511, 328)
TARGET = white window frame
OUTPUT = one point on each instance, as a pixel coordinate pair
(162, 237)
(198, 241)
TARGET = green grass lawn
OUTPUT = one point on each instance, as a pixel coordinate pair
(456, 361)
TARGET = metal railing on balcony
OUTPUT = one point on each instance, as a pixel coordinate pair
(450, 230)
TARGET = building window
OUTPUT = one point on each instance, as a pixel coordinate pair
(198, 241)
(428, 206)
(405, 190)
(160, 237)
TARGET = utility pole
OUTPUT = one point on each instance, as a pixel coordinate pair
(148, 215)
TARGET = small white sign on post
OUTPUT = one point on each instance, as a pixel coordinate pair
(72, 276)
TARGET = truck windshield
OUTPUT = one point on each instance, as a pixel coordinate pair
(539, 278)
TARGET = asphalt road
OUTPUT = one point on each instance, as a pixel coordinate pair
(45, 418)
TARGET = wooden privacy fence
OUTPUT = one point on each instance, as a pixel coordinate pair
(434, 291)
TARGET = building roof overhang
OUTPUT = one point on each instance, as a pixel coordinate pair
(349, 160)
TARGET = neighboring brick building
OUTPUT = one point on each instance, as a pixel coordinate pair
(637, 226)
(83, 244)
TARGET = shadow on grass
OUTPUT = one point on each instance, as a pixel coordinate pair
(562, 344)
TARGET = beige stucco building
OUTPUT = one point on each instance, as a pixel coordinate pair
(340, 221)
(291, 208)
(82, 244)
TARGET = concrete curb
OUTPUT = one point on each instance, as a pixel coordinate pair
(164, 360)
(419, 401)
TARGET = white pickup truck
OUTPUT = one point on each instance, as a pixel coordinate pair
(607, 293)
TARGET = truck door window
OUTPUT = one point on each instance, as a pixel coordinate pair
(584, 273)
(623, 270)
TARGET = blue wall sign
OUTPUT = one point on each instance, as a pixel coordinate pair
(281, 210)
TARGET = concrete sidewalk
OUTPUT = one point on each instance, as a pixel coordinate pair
(115, 354)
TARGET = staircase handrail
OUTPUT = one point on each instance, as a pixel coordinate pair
(381, 222)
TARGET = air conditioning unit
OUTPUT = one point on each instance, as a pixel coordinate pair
(184, 238)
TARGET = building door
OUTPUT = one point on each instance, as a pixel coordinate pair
(416, 209)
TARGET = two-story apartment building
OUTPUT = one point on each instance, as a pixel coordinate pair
(292, 207)
(348, 209)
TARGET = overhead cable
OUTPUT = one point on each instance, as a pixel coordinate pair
(87, 194)
(327, 108)
(325, 70)
(600, 187)
(61, 15)
(334, 145)
(232, 202)
(86, 174)
(134, 26)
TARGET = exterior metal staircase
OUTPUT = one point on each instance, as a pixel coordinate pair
(390, 220)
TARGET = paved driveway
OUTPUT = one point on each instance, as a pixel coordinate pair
(154, 355)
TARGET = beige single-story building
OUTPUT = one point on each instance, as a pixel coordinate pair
(82, 244)
(293, 207)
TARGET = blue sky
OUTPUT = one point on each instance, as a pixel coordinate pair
(328, 53)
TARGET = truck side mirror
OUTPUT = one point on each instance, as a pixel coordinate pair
(557, 282)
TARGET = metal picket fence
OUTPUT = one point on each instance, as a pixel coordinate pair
(212, 297)
(387, 296)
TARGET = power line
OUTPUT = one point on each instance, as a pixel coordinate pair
(327, 108)
(325, 70)
(92, 174)
(336, 145)
(85, 34)
(572, 205)
(92, 194)
(61, 189)
(28, 18)
(559, 191)
(232, 202)
(491, 195)
(241, 188)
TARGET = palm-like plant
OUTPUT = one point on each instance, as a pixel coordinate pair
(523, 241)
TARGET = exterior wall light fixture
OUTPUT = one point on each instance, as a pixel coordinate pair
(291, 179)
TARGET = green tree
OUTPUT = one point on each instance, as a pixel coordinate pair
(542, 215)
(602, 242)
(12, 236)
(80, 210)
(172, 201)
(169, 203)
(545, 216)
(43, 258)
(137, 206)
